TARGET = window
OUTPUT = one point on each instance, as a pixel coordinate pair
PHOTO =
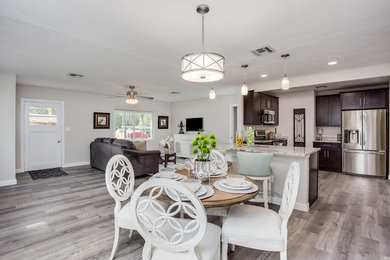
(133, 125)
(46, 116)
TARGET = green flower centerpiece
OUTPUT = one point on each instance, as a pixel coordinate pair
(202, 149)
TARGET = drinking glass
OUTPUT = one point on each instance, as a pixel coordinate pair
(188, 165)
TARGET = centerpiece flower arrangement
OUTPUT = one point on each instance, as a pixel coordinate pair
(202, 149)
(166, 143)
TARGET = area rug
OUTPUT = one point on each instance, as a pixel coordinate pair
(46, 173)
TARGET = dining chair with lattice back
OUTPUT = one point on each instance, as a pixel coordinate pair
(166, 235)
(120, 185)
(260, 228)
(257, 167)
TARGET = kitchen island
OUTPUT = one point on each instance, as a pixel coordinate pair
(283, 156)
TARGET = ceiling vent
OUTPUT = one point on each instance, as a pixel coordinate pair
(262, 51)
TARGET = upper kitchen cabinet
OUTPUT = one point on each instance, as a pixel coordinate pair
(328, 111)
(252, 114)
(375, 99)
(254, 105)
(370, 99)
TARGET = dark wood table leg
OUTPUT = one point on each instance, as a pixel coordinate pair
(166, 160)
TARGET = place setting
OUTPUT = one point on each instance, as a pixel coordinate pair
(172, 175)
(196, 186)
(235, 184)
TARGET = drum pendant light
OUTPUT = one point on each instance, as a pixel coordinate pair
(202, 66)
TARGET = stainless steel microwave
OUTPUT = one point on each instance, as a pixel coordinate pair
(268, 117)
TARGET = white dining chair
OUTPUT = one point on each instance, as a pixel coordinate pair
(167, 236)
(218, 161)
(261, 228)
(120, 185)
(257, 167)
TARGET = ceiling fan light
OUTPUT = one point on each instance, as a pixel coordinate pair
(244, 89)
(285, 83)
(212, 94)
(131, 101)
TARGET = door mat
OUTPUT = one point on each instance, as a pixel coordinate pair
(46, 173)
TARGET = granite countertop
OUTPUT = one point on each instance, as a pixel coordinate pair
(277, 150)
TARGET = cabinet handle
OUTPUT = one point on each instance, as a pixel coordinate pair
(328, 154)
(364, 101)
(360, 101)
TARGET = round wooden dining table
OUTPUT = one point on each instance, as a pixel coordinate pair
(221, 198)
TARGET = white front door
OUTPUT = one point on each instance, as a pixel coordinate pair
(42, 135)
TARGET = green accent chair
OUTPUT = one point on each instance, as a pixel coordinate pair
(257, 167)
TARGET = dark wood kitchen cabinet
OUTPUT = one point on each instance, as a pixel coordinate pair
(328, 110)
(375, 99)
(252, 113)
(329, 157)
(255, 103)
(369, 99)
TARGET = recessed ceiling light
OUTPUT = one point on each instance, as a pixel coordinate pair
(332, 63)
(175, 92)
(263, 75)
(75, 75)
(319, 87)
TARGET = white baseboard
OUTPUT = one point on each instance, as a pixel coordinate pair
(298, 205)
(19, 170)
(8, 182)
(75, 164)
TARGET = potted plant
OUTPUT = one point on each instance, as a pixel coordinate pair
(202, 149)
(166, 143)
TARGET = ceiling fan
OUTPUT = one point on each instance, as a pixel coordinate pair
(132, 96)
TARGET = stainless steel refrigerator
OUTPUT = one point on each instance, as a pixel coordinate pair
(364, 142)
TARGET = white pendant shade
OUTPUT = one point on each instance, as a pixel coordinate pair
(244, 89)
(202, 67)
(285, 83)
(212, 94)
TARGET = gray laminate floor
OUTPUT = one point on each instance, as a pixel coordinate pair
(71, 217)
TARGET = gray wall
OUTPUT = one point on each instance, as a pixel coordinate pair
(79, 108)
(7, 129)
(215, 114)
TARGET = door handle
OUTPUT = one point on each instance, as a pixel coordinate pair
(59, 141)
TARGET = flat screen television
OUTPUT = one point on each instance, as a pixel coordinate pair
(194, 124)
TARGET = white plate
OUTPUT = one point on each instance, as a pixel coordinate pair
(246, 185)
(204, 192)
(218, 186)
(168, 175)
(218, 173)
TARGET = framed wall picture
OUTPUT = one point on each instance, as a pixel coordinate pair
(101, 120)
(162, 122)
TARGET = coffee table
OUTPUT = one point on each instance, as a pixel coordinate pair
(168, 157)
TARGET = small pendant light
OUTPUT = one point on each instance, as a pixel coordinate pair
(212, 94)
(285, 81)
(244, 87)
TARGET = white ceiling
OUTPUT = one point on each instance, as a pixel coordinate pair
(118, 43)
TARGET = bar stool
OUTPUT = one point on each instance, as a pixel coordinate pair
(257, 167)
